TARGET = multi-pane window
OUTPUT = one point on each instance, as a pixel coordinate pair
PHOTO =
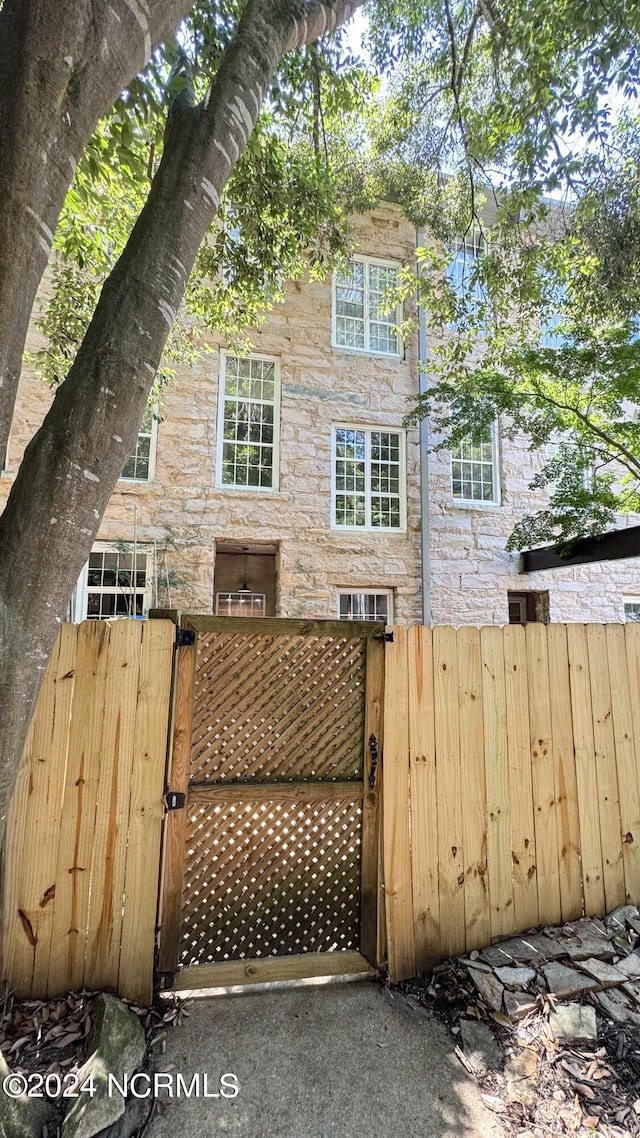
(112, 583)
(474, 475)
(632, 608)
(368, 477)
(248, 423)
(461, 270)
(366, 606)
(240, 604)
(361, 317)
(140, 467)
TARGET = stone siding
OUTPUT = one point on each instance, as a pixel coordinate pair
(186, 515)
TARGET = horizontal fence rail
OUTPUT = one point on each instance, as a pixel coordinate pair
(511, 791)
(83, 833)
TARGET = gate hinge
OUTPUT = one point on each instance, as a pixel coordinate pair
(175, 800)
(386, 637)
(185, 638)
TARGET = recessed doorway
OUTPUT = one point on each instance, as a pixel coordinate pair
(244, 582)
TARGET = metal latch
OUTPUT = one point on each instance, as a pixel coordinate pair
(373, 748)
(185, 638)
(385, 637)
(175, 800)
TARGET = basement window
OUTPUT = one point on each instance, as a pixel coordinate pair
(527, 608)
(366, 606)
(110, 585)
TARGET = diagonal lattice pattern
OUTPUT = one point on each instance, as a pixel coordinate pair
(270, 877)
(278, 707)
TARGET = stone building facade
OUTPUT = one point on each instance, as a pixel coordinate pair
(285, 483)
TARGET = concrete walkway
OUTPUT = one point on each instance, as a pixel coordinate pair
(339, 1061)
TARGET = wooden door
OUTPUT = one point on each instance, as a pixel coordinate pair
(271, 867)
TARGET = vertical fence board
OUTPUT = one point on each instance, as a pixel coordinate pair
(397, 852)
(590, 847)
(36, 808)
(424, 813)
(145, 812)
(523, 840)
(566, 790)
(109, 844)
(73, 870)
(607, 775)
(499, 855)
(474, 817)
(543, 776)
(626, 744)
(449, 792)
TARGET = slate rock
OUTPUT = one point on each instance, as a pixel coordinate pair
(517, 1005)
(607, 975)
(515, 977)
(476, 964)
(618, 1007)
(520, 1074)
(130, 1124)
(585, 945)
(574, 1023)
(480, 1046)
(22, 1117)
(630, 966)
(617, 920)
(566, 982)
(117, 1046)
(632, 988)
(521, 950)
(489, 988)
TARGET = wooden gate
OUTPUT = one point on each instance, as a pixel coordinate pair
(271, 867)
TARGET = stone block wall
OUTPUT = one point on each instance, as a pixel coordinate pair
(187, 516)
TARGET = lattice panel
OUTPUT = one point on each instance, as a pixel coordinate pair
(270, 877)
(278, 707)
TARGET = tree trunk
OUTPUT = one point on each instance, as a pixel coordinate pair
(72, 464)
(63, 64)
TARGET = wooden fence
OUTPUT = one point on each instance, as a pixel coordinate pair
(83, 834)
(511, 792)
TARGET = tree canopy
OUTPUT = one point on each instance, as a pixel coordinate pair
(515, 122)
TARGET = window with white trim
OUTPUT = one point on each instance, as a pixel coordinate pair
(368, 483)
(141, 465)
(474, 468)
(552, 451)
(461, 269)
(376, 605)
(110, 585)
(248, 422)
(631, 608)
(361, 320)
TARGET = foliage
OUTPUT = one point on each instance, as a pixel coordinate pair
(280, 216)
(511, 113)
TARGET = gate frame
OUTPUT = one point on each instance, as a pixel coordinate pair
(372, 953)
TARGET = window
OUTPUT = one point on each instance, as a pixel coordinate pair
(553, 451)
(474, 468)
(527, 607)
(368, 479)
(359, 321)
(550, 335)
(366, 606)
(141, 466)
(240, 604)
(248, 422)
(462, 267)
(109, 587)
(631, 608)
